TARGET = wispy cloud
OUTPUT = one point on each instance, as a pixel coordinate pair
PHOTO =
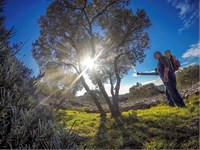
(185, 63)
(193, 51)
(134, 72)
(191, 64)
(188, 12)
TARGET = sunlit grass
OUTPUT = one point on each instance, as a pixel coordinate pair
(85, 123)
(158, 127)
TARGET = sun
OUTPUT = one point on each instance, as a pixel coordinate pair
(89, 63)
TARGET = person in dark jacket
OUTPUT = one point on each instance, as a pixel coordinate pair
(167, 75)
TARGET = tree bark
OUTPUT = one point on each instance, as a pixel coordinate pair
(117, 87)
(94, 98)
(114, 113)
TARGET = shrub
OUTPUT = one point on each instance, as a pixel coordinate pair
(188, 76)
(24, 123)
(142, 91)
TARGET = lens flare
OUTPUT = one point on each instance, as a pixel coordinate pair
(89, 63)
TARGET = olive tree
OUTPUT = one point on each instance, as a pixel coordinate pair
(106, 34)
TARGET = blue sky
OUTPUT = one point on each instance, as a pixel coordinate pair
(174, 26)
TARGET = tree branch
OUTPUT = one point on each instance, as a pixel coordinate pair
(111, 82)
(104, 9)
(86, 28)
(69, 64)
(73, 44)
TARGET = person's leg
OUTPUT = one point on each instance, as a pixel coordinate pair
(170, 102)
(174, 94)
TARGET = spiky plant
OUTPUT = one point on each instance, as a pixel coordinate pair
(24, 123)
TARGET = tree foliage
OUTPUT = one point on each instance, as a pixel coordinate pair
(58, 85)
(24, 123)
(107, 31)
(188, 76)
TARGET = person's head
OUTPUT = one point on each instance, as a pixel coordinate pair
(157, 55)
(174, 57)
(168, 53)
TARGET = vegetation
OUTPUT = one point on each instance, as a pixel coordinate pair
(97, 41)
(57, 85)
(70, 39)
(142, 91)
(24, 124)
(87, 97)
(188, 76)
(160, 127)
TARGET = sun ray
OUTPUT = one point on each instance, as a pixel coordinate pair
(86, 68)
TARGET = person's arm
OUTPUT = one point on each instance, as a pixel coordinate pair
(166, 64)
(166, 72)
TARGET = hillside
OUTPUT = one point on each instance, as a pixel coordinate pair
(159, 127)
(79, 103)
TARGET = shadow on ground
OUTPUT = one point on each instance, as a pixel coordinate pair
(159, 127)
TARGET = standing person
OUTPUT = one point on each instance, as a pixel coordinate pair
(167, 75)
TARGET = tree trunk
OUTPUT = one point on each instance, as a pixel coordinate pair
(117, 87)
(94, 98)
(117, 112)
(113, 110)
(114, 113)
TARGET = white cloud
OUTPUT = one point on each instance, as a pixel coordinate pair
(193, 51)
(184, 8)
(185, 63)
(188, 12)
(123, 90)
(190, 64)
(135, 74)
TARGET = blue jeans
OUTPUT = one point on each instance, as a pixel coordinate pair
(172, 93)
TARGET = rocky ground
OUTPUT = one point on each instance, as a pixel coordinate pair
(161, 98)
(143, 103)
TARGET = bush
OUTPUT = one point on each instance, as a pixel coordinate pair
(188, 76)
(24, 123)
(142, 91)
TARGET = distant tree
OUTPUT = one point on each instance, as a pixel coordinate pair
(135, 87)
(24, 123)
(142, 91)
(107, 32)
(188, 76)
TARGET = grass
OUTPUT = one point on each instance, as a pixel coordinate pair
(86, 124)
(160, 127)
